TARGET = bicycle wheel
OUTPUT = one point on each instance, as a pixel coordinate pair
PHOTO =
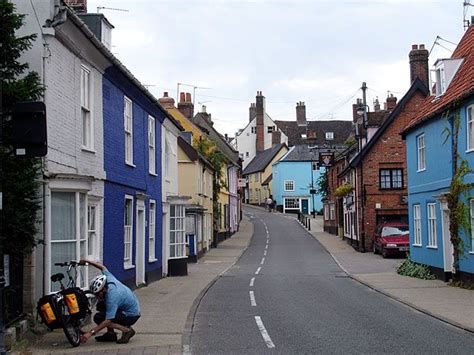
(71, 327)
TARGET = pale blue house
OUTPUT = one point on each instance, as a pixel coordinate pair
(295, 175)
(430, 163)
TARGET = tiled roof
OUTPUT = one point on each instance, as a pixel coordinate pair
(460, 87)
(315, 132)
(261, 160)
(301, 153)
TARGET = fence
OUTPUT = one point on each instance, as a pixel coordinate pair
(305, 220)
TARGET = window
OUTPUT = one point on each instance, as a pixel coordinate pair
(247, 154)
(292, 203)
(270, 129)
(87, 129)
(391, 178)
(329, 136)
(93, 241)
(470, 127)
(421, 152)
(68, 231)
(326, 212)
(151, 145)
(289, 185)
(417, 225)
(128, 126)
(332, 211)
(152, 232)
(432, 240)
(167, 158)
(254, 129)
(177, 232)
(128, 228)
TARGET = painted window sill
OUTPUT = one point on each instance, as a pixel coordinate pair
(153, 174)
(152, 260)
(130, 164)
(88, 150)
(128, 267)
(421, 170)
(417, 245)
(431, 247)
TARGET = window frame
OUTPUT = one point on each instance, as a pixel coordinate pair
(294, 205)
(287, 187)
(391, 177)
(431, 220)
(179, 229)
(470, 128)
(417, 241)
(128, 259)
(86, 114)
(421, 152)
(152, 231)
(93, 242)
(151, 145)
(128, 130)
(329, 136)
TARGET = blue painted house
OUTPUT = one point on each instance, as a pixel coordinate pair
(294, 176)
(430, 163)
(133, 187)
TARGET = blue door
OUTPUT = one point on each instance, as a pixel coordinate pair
(304, 206)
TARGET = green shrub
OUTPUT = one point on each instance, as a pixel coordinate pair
(412, 269)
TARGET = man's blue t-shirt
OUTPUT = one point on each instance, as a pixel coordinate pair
(119, 298)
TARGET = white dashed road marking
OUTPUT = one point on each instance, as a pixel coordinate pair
(258, 271)
(264, 332)
(252, 299)
(252, 280)
(263, 260)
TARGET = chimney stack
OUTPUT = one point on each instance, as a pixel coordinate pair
(185, 105)
(260, 113)
(276, 138)
(391, 102)
(376, 105)
(419, 64)
(252, 111)
(355, 116)
(300, 113)
(165, 101)
(79, 6)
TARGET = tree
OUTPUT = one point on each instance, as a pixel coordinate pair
(19, 176)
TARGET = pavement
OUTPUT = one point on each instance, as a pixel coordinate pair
(168, 305)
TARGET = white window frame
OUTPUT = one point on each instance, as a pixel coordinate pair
(417, 225)
(292, 203)
(80, 228)
(86, 115)
(421, 152)
(179, 230)
(151, 145)
(332, 211)
(152, 232)
(128, 130)
(470, 128)
(128, 233)
(431, 217)
(326, 212)
(289, 185)
(93, 230)
(329, 136)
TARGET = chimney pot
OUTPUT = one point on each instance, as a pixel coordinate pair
(165, 94)
(422, 46)
(414, 46)
(182, 97)
(419, 64)
(188, 97)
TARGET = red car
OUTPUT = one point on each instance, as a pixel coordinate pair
(391, 238)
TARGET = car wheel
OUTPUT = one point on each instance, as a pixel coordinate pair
(384, 253)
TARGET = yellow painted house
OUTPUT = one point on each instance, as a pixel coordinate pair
(195, 180)
(259, 173)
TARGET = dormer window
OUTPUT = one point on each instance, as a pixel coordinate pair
(443, 74)
(329, 136)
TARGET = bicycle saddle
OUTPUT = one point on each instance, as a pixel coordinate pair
(57, 277)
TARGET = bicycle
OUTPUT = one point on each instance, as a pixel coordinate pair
(70, 307)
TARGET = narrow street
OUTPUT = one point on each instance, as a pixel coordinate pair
(287, 295)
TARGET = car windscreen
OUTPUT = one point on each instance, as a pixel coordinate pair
(395, 230)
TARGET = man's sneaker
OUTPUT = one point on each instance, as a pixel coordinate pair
(109, 337)
(126, 336)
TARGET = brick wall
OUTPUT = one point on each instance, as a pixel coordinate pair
(388, 152)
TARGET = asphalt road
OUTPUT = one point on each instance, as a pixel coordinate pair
(287, 295)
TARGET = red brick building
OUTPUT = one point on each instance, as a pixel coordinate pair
(378, 171)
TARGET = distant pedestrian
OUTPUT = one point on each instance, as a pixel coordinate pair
(269, 203)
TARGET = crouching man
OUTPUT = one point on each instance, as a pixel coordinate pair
(117, 307)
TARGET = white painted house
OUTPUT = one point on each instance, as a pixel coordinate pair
(70, 66)
(261, 132)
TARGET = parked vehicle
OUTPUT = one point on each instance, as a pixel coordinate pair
(70, 307)
(391, 238)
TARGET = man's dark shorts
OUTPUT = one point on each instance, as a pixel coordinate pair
(119, 318)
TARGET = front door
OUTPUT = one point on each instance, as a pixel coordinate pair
(140, 244)
(447, 245)
(304, 206)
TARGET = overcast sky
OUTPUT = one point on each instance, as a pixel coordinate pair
(315, 51)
